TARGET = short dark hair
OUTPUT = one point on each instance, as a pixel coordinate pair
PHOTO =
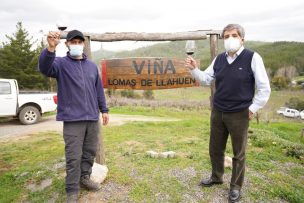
(240, 30)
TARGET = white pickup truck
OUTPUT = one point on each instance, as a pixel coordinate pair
(28, 107)
(291, 113)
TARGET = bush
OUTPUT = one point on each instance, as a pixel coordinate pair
(280, 82)
(148, 94)
(295, 103)
(295, 150)
(110, 92)
(129, 94)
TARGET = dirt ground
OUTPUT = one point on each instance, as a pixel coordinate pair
(13, 129)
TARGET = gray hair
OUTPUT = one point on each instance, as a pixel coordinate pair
(240, 30)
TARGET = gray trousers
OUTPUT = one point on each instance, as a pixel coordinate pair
(222, 124)
(81, 141)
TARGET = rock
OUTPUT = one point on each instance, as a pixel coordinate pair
(152, 154)
(228, 162)
(41, 186)
(99, 172)
(169, 154)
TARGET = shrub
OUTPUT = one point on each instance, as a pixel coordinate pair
(295, 150)
(295, 103)
(280, 82)
(148, 94)
(129, 94)
(110, 92)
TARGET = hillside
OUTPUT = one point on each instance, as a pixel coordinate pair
(276, 55)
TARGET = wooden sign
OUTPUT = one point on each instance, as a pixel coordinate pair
(145, 73)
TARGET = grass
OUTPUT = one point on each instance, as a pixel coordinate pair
(274, 159)
(271, 172)
(29, 161)
(185, 94)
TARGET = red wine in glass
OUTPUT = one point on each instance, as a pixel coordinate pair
(62, 28)
(190, 47)
(61, 25)
(190, 53)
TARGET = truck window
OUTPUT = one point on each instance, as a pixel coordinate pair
(5, 88)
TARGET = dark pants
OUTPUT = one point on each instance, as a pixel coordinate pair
(81, 141)
(222, 124)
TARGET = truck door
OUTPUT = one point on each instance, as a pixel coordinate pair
(8, 98)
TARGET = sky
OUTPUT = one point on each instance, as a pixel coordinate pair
(263, 20)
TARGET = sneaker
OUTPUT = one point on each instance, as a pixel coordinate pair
(89, 184)
(72, 198)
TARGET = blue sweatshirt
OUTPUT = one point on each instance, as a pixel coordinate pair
(79, 88)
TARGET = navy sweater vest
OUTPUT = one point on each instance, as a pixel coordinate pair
(234, 83)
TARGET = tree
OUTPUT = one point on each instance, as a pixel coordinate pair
(19, 61)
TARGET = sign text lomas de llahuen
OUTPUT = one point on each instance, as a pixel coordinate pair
(147, 74)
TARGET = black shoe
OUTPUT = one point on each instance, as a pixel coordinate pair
(209, 182)
(234, 195)
(89, 184)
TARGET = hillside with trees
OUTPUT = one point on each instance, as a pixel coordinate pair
(19, 58)
(284, 59)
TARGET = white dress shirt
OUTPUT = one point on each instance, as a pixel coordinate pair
(262, 85)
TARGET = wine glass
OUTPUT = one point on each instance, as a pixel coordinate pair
(190, 47)
(61, 25)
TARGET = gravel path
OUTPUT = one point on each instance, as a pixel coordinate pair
(13, 128)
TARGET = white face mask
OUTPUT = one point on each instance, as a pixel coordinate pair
(232, 44)
(76, 49)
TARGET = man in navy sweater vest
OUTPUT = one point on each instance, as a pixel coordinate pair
(242, 88)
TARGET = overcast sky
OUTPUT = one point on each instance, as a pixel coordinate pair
(265, 20)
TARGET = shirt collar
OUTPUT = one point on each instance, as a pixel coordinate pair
(237, 53)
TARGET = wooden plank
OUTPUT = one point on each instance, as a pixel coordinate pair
(142, 36)
(145, 73)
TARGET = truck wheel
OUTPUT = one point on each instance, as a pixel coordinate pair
(29, 115)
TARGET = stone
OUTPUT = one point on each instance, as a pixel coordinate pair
(41, 186)
(169, 154)
(99, 172)
(228, 162)
(152, 154)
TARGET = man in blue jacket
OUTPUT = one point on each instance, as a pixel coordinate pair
(242, 88)
(80, 100)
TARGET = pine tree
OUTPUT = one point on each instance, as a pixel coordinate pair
(19, 61)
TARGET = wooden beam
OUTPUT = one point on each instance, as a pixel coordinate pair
(134, 36)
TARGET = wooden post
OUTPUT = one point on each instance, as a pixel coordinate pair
(87, 47)
(213, 51)
(100, 155)
(214, 45)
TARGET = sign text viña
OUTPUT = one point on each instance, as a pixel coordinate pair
(145, 73)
